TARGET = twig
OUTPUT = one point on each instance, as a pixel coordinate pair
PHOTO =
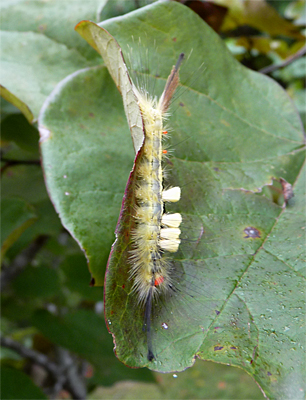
(33, 355)
(65, 373)
(289, 60)
(74, 382)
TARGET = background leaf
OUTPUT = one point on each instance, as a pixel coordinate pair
(85, 165)
(44, 30)
(243, 152)
(17, 216)
(38, 76)
(25, 388)
(44, 269)
(111, 53)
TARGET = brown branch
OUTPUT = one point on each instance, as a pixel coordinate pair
(65, 373)
(33, 355)
(289, 60)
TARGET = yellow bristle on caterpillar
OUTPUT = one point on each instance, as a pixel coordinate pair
(155, 232)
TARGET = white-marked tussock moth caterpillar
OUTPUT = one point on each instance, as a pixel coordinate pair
(155, 231)
(135, 316)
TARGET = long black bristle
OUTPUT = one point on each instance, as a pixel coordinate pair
(148, 312)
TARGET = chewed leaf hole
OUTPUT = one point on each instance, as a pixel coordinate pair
(279, 192)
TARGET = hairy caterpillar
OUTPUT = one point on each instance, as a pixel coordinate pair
(163, 300)
(155, 231)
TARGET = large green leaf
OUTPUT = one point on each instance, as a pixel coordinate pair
(24, 183)
(31, 79)
(86, 160)
(54, 19)
(39, 48)
(17, 216)
(234, 130)
(16, 128)
(17, 385)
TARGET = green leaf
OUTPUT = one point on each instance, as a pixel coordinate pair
(115, 8)
(14, 100)
(109, 49)
(25, 183)
(17, 216)
(86, 165)
(78, 277)
(84, 333)
(40, 281)
(32, 65)
(16, 128)
(39, 48)
(53, 19)
(296, 10)
(232, 133)
(17, 385)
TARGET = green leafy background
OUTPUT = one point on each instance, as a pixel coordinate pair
(235, 132)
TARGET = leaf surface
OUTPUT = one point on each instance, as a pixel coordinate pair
(233, 131)
(17, 216)
(87, 153)
(111, 53)
(17, 385)
(49, 63)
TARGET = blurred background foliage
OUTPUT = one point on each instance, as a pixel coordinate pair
(54, 340)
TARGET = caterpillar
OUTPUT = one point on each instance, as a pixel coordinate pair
(156, 232)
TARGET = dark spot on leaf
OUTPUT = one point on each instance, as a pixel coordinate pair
(251, 232)
(91, 114)
(182, 104)
(269, 373)
(92, 282)
(218, 348)
(217, 312)
(174, 39)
